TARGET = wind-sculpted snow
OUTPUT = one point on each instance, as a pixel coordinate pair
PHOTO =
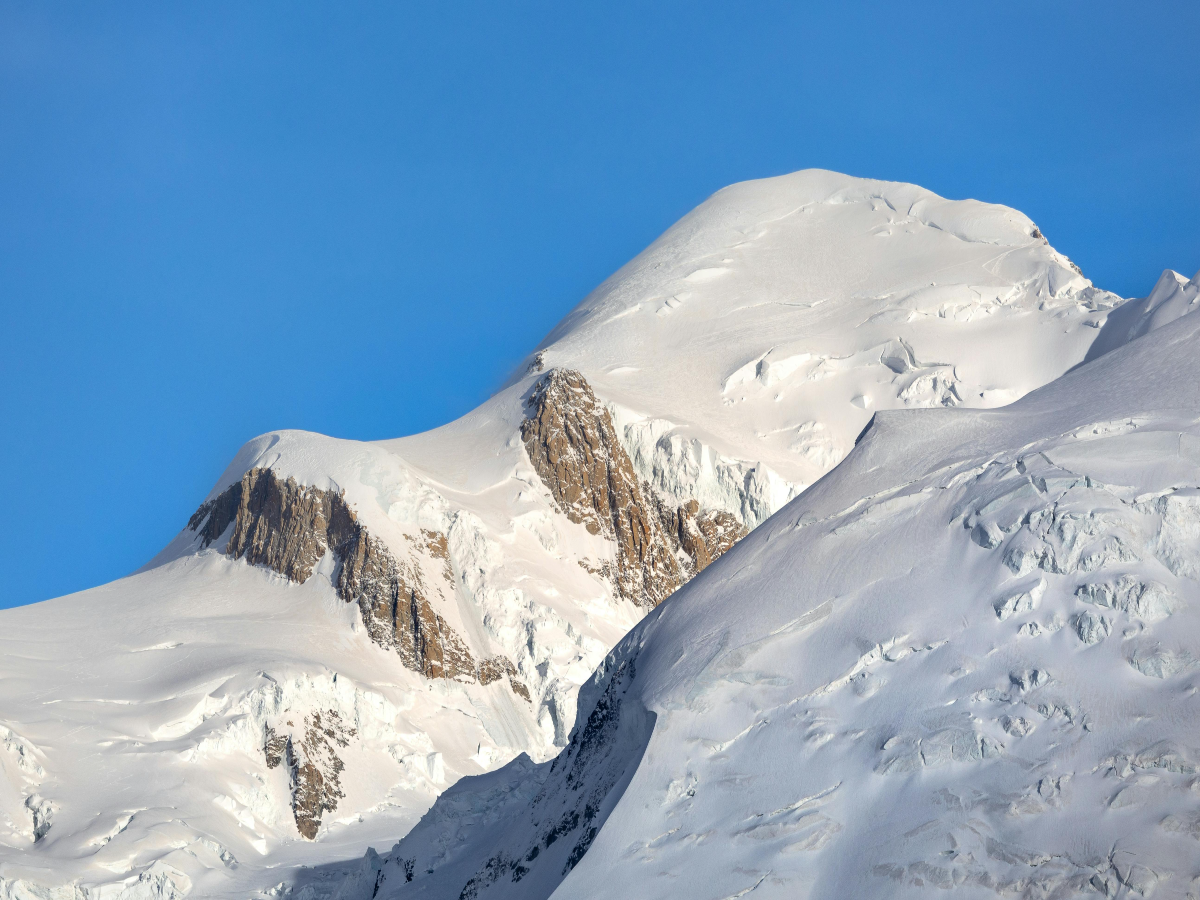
(967, 660)
(729, 367)
(201, 765)
(1172, 297)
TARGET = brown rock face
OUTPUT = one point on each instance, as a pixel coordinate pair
(397, 613)
(314, 767)
(702, 534)
(573, 445)
(275, 748)
(498, 667)
(288, 527)
(282, 525)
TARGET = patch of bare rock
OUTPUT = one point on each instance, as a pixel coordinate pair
(288, 527)
(314, 767)
(573, 445)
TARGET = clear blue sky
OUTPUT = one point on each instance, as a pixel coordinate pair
(218, 219)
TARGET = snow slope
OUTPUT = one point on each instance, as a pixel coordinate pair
(1172, 297)
(738, 357)
(968, 659)
(772, 321)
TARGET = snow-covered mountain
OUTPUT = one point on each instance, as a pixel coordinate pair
(968, 659)
(344, 629)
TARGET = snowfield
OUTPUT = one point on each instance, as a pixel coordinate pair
(983, 606)
(966, 659)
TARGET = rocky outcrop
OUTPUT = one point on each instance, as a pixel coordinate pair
(573, 445)
(41, 812)
(497, 667)
(697, 536)
(289, 527)
(279, 523)
(314, 767)
(397, 614)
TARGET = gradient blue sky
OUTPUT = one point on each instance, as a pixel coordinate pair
(219, 219)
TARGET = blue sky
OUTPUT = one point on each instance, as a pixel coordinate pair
(220, 219)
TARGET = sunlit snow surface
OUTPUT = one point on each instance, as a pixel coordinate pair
(967, 659)
(741, 355)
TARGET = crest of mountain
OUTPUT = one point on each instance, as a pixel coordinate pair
(1172, 297)
(344, 629)
(966, 660)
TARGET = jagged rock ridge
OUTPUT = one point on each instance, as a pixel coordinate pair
(288, 527)
(697, 536)
(573, 445)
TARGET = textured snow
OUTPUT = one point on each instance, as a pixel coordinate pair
(741, 355)
(1172, 297)
(760, 317)
(836, 709)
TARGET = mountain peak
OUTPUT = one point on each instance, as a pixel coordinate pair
(344, 629)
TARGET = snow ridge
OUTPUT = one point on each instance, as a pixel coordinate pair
(992, 691)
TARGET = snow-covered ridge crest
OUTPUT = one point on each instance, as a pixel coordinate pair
(965, 660)
(774, 319)
(1172, 297)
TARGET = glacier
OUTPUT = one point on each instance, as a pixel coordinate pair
(158, 728)
(965, 659)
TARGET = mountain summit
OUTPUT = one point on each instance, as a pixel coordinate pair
(343, 629)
